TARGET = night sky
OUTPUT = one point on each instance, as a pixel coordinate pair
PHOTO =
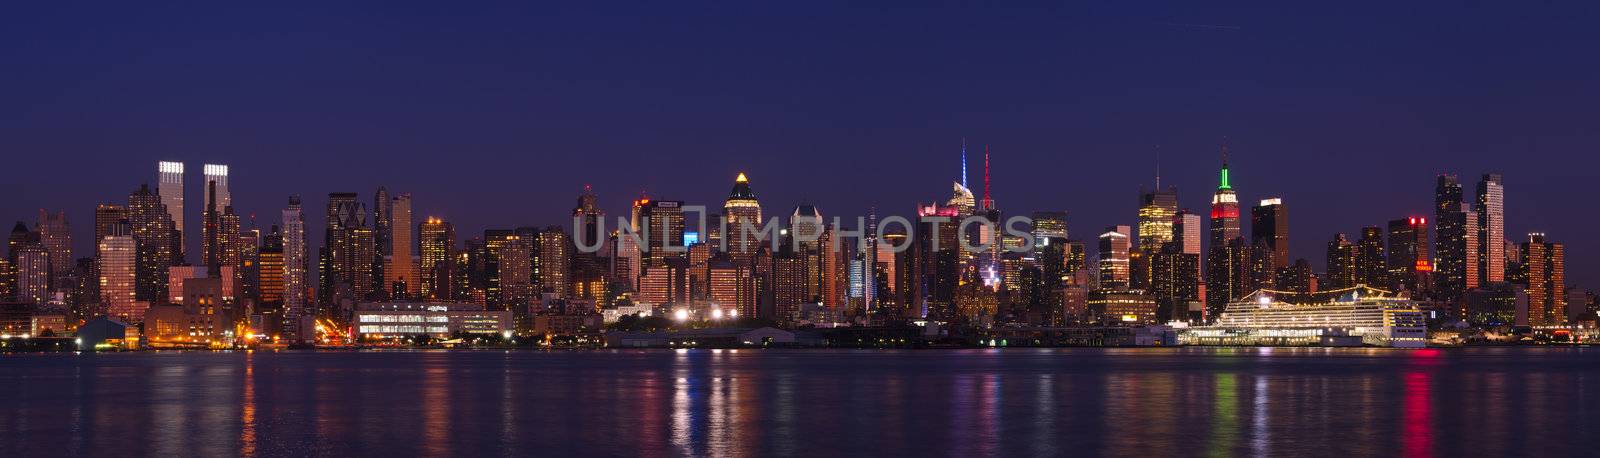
(496, 115)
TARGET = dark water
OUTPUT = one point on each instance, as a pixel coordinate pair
(1015, 402)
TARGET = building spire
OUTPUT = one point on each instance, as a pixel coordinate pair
(964, 162)
(1158, 167)
(988, 200)
(1224, 182)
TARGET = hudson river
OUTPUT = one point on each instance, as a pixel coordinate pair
(1012, 402)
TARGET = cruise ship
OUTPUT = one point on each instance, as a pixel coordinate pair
(1357, 316)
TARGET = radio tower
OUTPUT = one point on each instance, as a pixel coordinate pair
(988, 202)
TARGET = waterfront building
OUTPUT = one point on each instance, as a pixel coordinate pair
(438, 320)
(1123, 307)
(297, 308)
(119, 276)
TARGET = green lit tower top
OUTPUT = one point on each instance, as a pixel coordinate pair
(1224, 207)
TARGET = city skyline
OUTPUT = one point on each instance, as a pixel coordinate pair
(1072, 101)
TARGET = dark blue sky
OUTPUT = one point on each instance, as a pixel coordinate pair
(495, 114)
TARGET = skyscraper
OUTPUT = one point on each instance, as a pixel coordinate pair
(382, 221)
(1341, 266)
(56, 236)
(269, 272)
(665, 221)
(400, 274)
(436, 244)
(218, 173)
(1156, 211)
(1371, 264)
(589, 218)
(1547, 280)
(1228, 252)
(170, 187)
(106, 218)
(1491, 229)
(1269, 227)
(740, 209)
(347, 252)
(554, 258)
(32, 264)
(154, 232)
(1409, 263)
(296, 263)
(1455, 244)
(1114, 273)
(118, 275)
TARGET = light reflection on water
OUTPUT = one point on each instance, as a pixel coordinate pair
(1018, 402)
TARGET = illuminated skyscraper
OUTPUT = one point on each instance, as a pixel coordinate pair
(32, 264)
(217, 173)
(513, 255)
(554, 260)
(1547, 281)
(170, 187)
(118, 274)
(1456, 248)
(436, 245)
(56, 236)
(1372, 267)
(269, 272)
(1114, 242)
(400, 274)
(1156, 211)
(1269, 226)
(383, 246)
(1049, 224)
(296, 264)
(1491, 229)
(740, 209)
(1227, 255)
(154, 231)
(589, 220)
(1341, 266)
(1409, 264)
(665, 219)
(106, 219)
(347, 251)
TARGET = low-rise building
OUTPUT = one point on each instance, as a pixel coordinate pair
(440, 320)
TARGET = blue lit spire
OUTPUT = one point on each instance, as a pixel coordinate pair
(964, 163)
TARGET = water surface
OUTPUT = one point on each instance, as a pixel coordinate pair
(1012, 402)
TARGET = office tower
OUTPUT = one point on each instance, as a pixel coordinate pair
(788, 285)
(296, 263)
(119, 275)
(1156, 211)
(249, 273)
(1114, 242)
(513, 256)
(436, 243)
(1341, 267)
(56, 237)
(1227, 275)
(1547, 282)
(89, 304)
(400, 275)
(741, 209)
(169, 186)
(347, 252)
(1051, 224)
(1298, 277)
(1491, 229)
(1371, 264)
(1456, 270)
(20, 237)
(588, 220)
(218, 173)
(212, 241)
(382, 224)
(106, 218)
(731, 285)
(32, 264)
(554, 260)
(665, 229)
(1175, 281)
(1224, 209)
(153, 232)
(1409, 262)
(269, 268)
(230, 255)
(1269, 227)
